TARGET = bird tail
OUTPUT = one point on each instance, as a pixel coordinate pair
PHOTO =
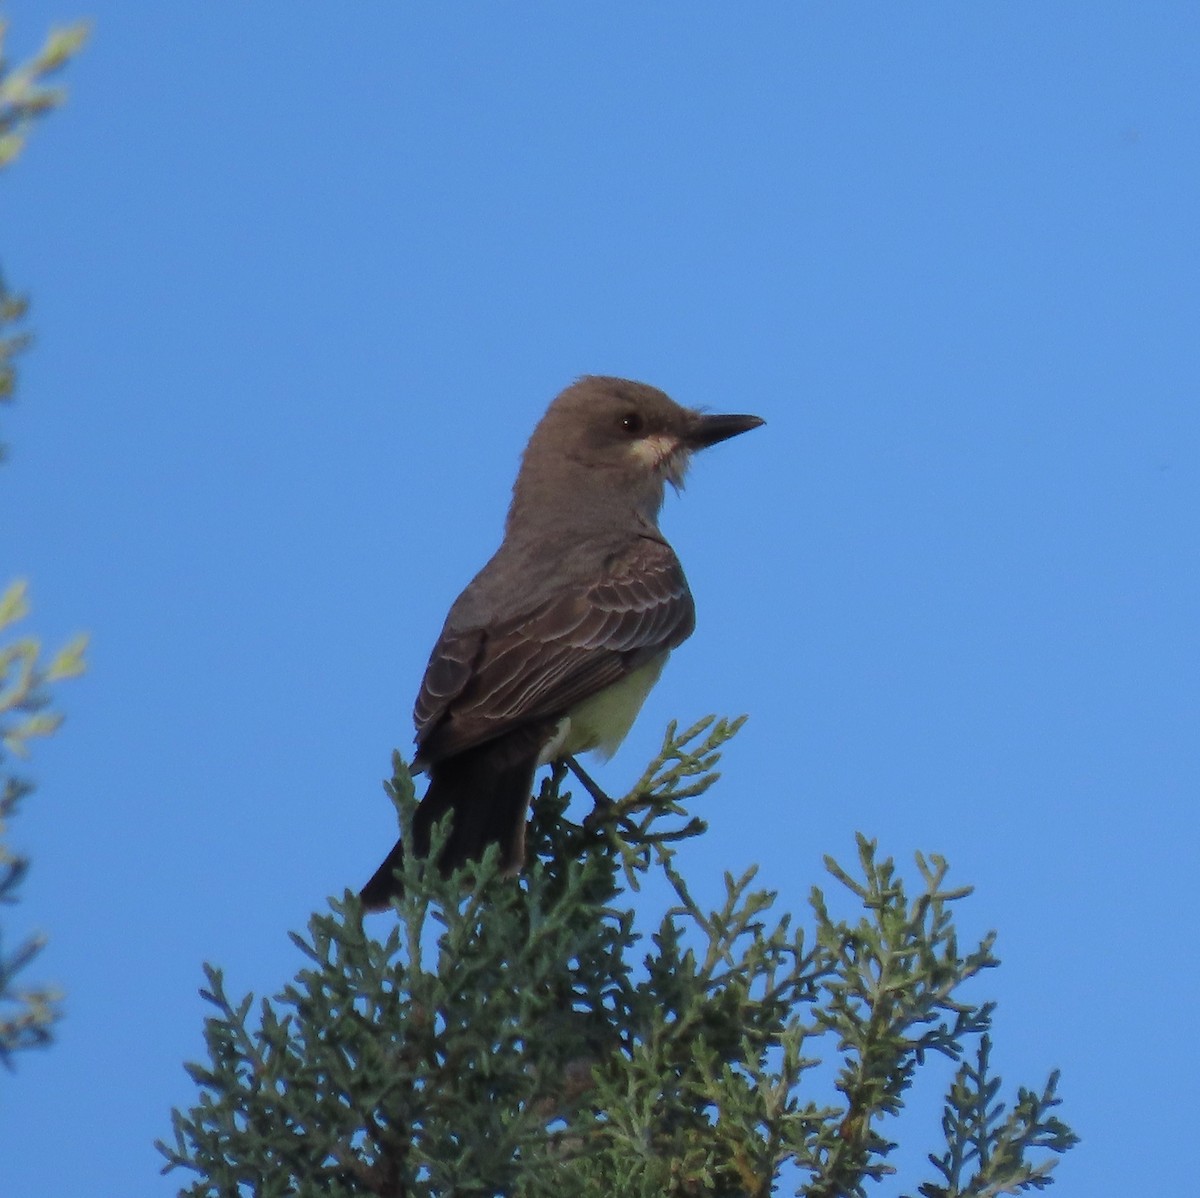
(384, 885)
(487, 789)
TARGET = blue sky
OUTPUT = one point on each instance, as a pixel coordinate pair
(304, 280)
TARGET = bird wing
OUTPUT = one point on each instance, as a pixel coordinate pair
(482, 682)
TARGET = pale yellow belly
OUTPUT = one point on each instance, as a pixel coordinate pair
(600, 723)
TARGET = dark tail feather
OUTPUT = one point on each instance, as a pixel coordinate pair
(378, 893)
(488, 789)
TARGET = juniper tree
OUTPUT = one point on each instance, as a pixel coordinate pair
(26, 1014)
(526, 1037)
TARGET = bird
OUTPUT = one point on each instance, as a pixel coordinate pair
(552, 648)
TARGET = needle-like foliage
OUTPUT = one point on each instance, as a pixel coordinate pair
(524, 1037)
(27, 1013)
(25, 98)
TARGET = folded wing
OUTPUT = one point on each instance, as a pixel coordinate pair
(540, 663)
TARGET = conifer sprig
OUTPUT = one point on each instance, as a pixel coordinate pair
(519, 1036)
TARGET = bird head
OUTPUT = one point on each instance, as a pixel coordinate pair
(618, 442)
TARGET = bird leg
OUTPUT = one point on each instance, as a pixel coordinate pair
(598, 796)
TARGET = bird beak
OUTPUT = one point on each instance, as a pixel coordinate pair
(708, 430)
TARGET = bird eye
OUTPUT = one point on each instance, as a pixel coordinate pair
(632, 423)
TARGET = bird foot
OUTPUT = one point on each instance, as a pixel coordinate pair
(603, 803)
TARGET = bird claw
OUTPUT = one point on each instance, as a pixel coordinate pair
(603, 804)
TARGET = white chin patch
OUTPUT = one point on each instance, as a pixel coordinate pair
(664, 454)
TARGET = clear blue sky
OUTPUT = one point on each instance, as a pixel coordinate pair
(303, 281)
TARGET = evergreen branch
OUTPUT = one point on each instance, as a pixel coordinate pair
(500, 1041)
(24, 99)
(24, 96)
(986, 1151)
(889, 1003)
(682, 770)
(27, 1015)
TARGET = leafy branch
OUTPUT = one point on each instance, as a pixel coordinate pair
(986, 1151)
(519, 1037)
(26, 1014)
(24, 99)
(24, 94)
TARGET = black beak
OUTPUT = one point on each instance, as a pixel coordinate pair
(708, 430)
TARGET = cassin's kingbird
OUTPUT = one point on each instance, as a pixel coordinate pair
(553, 647)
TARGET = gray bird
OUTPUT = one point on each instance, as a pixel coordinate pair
(554, 645)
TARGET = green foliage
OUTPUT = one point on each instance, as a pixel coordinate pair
(985, 1151)
(23, 681)
(504, 1038)
(12, 341)
(24, 96)
(26, 1015)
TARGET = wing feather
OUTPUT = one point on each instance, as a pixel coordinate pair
(541, 663)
